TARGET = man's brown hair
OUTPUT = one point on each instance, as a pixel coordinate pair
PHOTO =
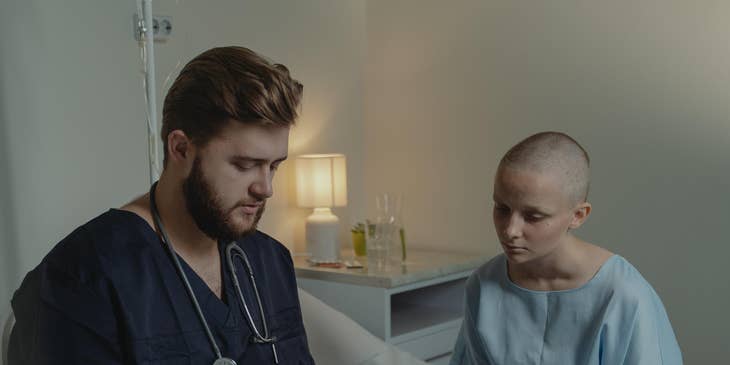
(229, 83)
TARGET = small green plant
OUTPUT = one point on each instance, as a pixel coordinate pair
(358, 239)
(358, 228)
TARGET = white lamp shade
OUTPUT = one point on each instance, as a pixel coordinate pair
(321, 181)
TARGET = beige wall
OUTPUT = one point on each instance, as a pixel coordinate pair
(72, 117)
(644, 86)
(423, 99)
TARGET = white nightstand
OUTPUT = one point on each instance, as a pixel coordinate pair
(417, 307)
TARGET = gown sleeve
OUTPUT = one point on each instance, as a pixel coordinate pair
(652, 339)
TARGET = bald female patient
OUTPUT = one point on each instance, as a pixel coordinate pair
(551, 297)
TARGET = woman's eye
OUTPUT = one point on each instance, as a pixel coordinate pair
(501, 209)
(534, 217)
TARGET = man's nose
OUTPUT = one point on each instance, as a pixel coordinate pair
(262, 187)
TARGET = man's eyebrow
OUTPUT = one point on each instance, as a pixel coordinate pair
(242, 158)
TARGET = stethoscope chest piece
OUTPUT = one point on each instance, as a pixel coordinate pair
(224, 361)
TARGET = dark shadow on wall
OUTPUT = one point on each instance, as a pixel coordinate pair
(9, 275)
(9, 255)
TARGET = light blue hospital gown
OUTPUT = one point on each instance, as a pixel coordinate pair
(615, 318)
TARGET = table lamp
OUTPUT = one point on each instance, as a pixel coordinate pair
(322, 184)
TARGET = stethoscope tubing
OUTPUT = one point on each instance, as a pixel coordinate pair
(229, 258)
(178, 266)
(230, 248)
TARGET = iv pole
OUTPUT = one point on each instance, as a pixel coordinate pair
(144, 27)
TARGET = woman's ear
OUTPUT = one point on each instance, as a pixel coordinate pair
(580, 214)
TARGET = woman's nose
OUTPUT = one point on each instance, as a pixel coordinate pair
(513, 227)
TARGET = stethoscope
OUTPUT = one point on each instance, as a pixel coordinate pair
(232, 250)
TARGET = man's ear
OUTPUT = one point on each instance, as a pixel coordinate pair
(180, 149)
(580, 214)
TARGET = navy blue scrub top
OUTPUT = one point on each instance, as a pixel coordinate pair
(109, 294)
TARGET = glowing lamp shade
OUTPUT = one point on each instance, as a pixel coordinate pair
(321, 181)
(322, 184)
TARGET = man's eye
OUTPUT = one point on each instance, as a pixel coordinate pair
(274, 167)
(243, 167)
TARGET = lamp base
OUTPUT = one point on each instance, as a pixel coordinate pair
(321, 235)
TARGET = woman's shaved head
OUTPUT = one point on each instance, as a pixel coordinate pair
(553, 153)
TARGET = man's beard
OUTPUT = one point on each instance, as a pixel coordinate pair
(205, 208)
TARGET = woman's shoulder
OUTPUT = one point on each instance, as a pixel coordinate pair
(625, 282)
(489, 273)
(491, 269)
(621, 272)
